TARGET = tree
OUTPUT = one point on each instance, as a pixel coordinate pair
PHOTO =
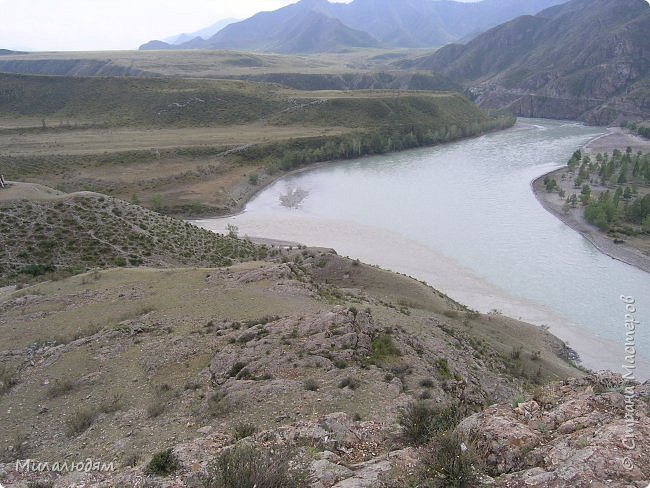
(550, 184)
(585, 194)
(233, 231)
(646, 224)
(622, 177)
(158, 203)
(627, 194)
(618, 195)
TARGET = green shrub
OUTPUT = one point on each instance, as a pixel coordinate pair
(442, 366)
(7, 378)
(80, 421)
(311, 384)
(450, 462)
(242, 430)
(350, 382)
(246, 466)
(382, 349)
(236, 368)
(217, 404)
(155, 408)
(163, 463)
(421, 420)
(37, 269)
(61, 387)
(340, 363)
(112, 404)
(40, 484)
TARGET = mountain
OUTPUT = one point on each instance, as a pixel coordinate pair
(156, 46)
(302, 27)
(204, 33)
(587, 60)
(321, 26)
(426, 23)
(7, 52)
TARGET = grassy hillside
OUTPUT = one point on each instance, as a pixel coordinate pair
(160, 102)
(145, 358)
(72, 233)
(153, 102)
(190, 147)
(370, 110)
(203, 64)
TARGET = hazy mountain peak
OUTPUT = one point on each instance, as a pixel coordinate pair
(388, 23)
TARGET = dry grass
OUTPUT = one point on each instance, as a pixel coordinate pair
(99, 141)
(215, 64)
(156, 322)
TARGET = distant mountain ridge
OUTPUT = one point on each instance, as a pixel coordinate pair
(297, 28)
(7, 52)
(204, 33)
(586, 60)
(320, 26)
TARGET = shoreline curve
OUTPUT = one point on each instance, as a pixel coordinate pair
(603, 243)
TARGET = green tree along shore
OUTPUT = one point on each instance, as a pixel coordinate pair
(643, 129)
(614, 190)
(293, 154)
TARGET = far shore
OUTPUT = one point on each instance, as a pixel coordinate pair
(616, 138)
(248, 193)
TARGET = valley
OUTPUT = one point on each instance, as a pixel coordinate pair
(319, 247)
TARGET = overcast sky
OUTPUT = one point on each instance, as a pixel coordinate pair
(91, 25)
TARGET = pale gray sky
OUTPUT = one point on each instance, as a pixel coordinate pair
(94, 25)
(91, 25)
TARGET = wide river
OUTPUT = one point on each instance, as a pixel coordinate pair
(463, 218)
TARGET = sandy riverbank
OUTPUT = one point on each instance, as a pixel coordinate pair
(616, 138)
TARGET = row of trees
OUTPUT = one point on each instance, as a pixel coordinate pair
(608, 209)
(619, 169)
(381, 141)
(623, 173)
(642, 129)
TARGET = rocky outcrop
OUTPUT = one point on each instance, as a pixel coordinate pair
(584, 432)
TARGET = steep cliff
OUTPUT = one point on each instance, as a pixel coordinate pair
(586, 60)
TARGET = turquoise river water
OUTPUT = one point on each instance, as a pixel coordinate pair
(463, 218)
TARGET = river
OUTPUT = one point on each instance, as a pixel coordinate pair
(463, 218)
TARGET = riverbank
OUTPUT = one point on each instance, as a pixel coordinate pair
(347, 209)
(616, 138)
(241, 192)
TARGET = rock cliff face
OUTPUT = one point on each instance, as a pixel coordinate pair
(580, 432)
(585, 60)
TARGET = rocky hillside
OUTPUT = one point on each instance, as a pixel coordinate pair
(587, 60)
(583, 432)
(331, 361)
(72, 233)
